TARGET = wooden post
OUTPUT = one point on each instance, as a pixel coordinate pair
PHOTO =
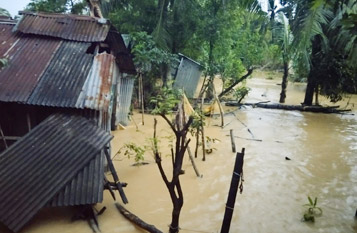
(141, 89)
(193, 162)
(232, 141)
(203, 134)
(237, 175)
(115, 176)
(28, 121)
(3, 137)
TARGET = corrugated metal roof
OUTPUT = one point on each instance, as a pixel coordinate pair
(27, 59)
(65, 26)
(40, 164)
(62, 82)
(96, 92)
(85, 188)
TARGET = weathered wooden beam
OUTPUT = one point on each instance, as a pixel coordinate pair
(136, 220)
(115, 176)
(193, 162)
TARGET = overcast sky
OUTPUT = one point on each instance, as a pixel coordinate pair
(14, 6)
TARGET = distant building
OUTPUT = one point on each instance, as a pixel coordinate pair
(187, 75)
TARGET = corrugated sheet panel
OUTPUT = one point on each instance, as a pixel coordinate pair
(7, 38)
(187, 77)
(62, 82)
(126, 91)
(85, 188)
(70, 27)
(27, 59)
(96, 91)
(40, 164)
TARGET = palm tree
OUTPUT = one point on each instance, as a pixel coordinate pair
(319, 30)
(285, 39)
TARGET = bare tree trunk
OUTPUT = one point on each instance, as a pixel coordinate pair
(284, 83)
(309, 93)
(317, 95)
(180, 128)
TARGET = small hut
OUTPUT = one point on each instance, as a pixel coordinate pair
(62, 88)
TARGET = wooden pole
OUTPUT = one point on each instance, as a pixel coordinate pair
(237, 175)
(3, 137)
(115, 176)
(203, 134)
(142, 97)
(193, 162)
(232, 141)
(28, 121)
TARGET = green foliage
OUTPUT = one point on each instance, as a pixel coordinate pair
(240, 93)
(147, 54)
(4, 12)
(312, 211)
(131, 149)
(166, 100)
(57, 6)
(3, 62)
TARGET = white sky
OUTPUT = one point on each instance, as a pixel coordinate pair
(14, 6)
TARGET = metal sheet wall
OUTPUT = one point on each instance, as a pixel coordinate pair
(125, 94)
(187, 77)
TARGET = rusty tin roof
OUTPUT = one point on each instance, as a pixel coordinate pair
(64, 26)
(50, 70)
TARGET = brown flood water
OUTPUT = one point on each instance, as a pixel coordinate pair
(323, 153)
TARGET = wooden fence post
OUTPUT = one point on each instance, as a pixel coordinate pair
(237, 175)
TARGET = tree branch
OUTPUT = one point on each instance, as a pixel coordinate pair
(228, 89)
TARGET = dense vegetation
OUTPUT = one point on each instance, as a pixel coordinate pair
(316, 39)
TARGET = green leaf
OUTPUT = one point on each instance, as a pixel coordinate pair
(310, 200)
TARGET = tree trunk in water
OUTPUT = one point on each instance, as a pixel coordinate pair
(310, 88)
(174, 226)
(284, 83)
(317, 95)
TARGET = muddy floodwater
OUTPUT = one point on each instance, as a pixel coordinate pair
(323, 153)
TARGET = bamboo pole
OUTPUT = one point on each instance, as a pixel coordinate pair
(232, 141)
(193, 162)
(237, 175)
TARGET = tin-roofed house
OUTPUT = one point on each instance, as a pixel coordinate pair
(187, 74)
(60, 94)
(65, 62)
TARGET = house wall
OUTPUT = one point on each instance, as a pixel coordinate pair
(125, 92)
